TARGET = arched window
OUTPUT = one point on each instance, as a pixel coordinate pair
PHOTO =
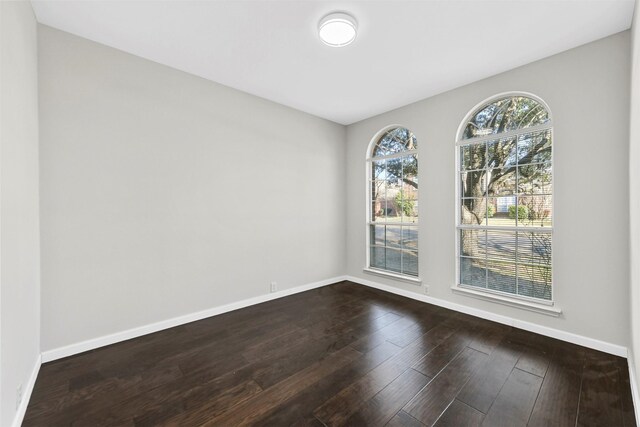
(392, 234)
(505, 189)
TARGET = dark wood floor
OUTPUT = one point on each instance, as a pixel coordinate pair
(339, 355)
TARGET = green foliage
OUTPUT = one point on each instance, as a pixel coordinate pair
(404, 169)
(404, 206)
(491, 211)
(523, 212)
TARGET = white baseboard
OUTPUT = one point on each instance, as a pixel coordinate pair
(26, 393)
(595, 344)
(634, 386)
(94, 343)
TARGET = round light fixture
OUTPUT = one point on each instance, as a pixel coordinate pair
(337, 29)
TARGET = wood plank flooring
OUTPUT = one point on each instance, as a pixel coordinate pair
(343, 354)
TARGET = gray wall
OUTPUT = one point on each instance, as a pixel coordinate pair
(163, 194)
(634, 189)
(587, 89)
(19, 231)
(161, 187)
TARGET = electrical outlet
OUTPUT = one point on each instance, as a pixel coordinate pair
(426, 289)
(18, 396)
(274, 287)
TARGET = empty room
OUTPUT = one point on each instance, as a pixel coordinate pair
(319, 213)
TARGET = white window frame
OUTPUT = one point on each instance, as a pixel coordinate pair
(368, 222)
(521, 301)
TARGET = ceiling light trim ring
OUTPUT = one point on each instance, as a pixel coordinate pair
(337, 29)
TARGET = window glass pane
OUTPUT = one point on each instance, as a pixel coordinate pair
(410, 170)
(534, 268)
(394, 171)
(386, 192)
(473, 211)
(501, 245)
(409, 211)
(388, 144)
(380, 211)
(534, 248)
(535, 179)
(502, 182)
(501, 211)
(377, 234)
(394, 260)
(534, 147)
(534, 281)
(377, 257)
(394, 236)
(501, 276)
(408, 207)
(501, 153)
(473, 243)
(473, 183)
(416, 210)
(410, 237)
(410, 262)
(378, 201)
(375, 210)
(394, 205)
(535, 211)
(473, 157)
(504, 115)
(409, 192)
(378, 170)
(395, 141)
(473, 272)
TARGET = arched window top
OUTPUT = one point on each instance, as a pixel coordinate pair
(393, 141)
(506, 114)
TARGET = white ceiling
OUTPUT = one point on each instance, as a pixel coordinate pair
(405, 50)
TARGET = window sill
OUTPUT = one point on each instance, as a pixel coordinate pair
(549, 310)
(409, 279)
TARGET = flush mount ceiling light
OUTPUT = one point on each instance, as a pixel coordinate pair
(337, 29)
